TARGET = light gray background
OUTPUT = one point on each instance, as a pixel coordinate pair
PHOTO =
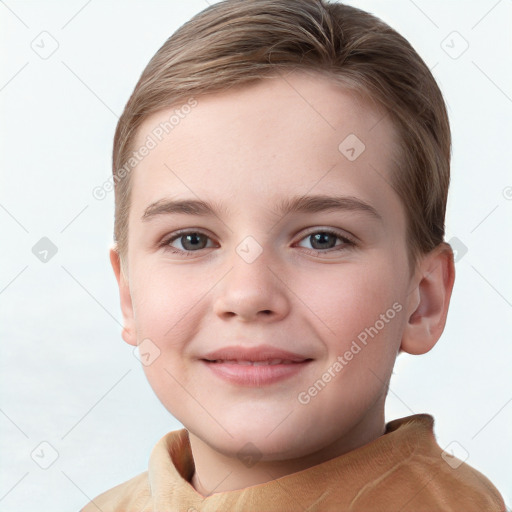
(69, 380)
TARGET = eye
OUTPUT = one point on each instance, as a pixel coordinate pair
(187, 242)
(326, 240)
(322, 241)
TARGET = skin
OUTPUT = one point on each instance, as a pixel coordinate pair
(247, 149)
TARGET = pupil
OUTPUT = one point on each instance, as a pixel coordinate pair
(193, 239)
(320, 238)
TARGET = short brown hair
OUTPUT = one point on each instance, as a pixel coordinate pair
(235, 42)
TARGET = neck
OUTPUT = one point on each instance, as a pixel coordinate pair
(216, 472)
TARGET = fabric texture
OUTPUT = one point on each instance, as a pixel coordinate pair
(402, 470)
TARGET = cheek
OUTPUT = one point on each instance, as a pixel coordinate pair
(165, 306)
(164, 302)
(352, 298)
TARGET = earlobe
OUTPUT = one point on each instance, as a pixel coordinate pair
(429, 301)
(128, 334)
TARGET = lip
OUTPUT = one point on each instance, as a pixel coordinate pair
(254, 366)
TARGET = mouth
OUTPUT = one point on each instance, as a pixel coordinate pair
(268, 362)
(255, 366)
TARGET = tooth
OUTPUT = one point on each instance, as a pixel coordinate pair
(275, 361)
(260, 363)
(244, 363)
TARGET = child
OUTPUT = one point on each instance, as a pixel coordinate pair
(281, 174)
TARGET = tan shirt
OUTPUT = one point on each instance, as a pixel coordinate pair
(403, 470)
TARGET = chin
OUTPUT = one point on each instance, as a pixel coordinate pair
(260, 439)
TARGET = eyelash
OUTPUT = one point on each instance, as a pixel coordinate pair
(347, 242)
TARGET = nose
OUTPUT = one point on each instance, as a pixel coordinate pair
(253, 291)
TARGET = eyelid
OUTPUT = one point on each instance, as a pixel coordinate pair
(166, 240)
(333, 231)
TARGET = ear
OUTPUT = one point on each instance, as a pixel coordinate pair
(128, 333)
(429, 300)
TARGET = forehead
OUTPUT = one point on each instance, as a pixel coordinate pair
(257, 144)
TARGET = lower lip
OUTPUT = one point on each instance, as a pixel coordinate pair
(255, 376)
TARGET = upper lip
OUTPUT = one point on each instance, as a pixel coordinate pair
(258, 353)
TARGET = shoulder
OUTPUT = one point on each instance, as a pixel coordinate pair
(133, 494)
(453, 482)
(466, 485)
(435, 477)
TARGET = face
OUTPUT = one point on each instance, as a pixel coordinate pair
(276, 317)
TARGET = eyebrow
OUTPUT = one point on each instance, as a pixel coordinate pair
(297, 204)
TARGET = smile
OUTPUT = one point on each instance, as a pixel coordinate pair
(270, 362)
(254, 366)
